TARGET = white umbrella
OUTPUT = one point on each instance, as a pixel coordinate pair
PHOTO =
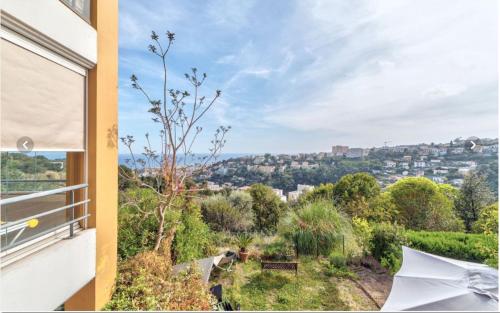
(429, 282)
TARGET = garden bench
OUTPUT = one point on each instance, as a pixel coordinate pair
(280, 266)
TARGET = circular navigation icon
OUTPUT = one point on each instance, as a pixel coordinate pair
(25, 144)
(471, 143)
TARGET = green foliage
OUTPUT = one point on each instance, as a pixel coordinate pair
(267, 208)
(317, 228)
(278, 250)
(381, 209)
(386, 244)
(145, 282)
(137, 223)
(257, 290)
(322, 192)
(363, 233)
(338, 260)
(353, 191)
(487, 222)
(474, 195)
(233, 213)
(455, 245)
(423, 205)
(193, 239)
(244, 240)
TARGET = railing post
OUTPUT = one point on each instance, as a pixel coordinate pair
(72, 202)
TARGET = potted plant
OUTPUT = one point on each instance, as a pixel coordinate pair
(244, 240)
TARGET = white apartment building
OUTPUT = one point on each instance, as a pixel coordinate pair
(419, 164)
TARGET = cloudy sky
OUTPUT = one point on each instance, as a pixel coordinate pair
(302, 75)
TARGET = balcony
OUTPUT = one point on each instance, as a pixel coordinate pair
(28, 216)
(53, 224)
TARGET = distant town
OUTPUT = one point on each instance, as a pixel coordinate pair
(292, 174)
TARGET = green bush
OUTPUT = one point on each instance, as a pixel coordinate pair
(317, 229)
(267, 208)
(278, 250)
(338, 260)
(468, 247)
(386, 244)
(363, 232)
(233, 213)
(136, 230)
(244, 240)
(193, 239)
(487, 222)
(424, 205)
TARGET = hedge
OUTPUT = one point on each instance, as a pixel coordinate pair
(468, 247)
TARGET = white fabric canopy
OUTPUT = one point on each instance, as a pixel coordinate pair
(205, 265)
(428, 282)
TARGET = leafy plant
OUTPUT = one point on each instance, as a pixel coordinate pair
(267, 208)
(193, 239)
(317, 228)
(456, 245)
(278, 250)
(244, 240)
(338, 260)
(386, 244)
(422, 205)
(487, 222)
(233, 213)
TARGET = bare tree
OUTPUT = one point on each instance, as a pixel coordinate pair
(178, 113)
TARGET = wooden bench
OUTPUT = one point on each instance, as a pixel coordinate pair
(280, 266)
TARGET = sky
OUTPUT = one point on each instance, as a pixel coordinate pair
(303, 75)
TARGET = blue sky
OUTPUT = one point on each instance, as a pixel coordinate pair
(302, 75)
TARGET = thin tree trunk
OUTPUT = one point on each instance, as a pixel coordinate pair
(159, 232)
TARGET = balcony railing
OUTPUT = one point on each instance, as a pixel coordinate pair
(34, 223)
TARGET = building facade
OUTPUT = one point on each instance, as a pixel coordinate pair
(59, 81)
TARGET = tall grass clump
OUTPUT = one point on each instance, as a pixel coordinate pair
(317, 228)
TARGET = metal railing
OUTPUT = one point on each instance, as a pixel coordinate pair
(18, 227)
(29, 185)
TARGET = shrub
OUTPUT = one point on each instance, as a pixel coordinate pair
(456, 245)
(136, 230)
(475, 194)
(317, 228)
(423, 205)
(353, 191)
(338, 260)
(381, 209)
(244, 240)
(322, 192)
(278, 250)
(386, 244)
(193, 239)
(363, 232)
(267, 207)
(488, 220)
(233, 213)
(145, 282)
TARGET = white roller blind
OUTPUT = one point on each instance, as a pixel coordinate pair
(41, 100)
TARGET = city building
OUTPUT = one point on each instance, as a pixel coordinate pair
(390, 164)
(59, 93)
(339, 150)
(354, 153)
(419, 164)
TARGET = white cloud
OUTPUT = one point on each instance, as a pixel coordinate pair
(378, 68)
